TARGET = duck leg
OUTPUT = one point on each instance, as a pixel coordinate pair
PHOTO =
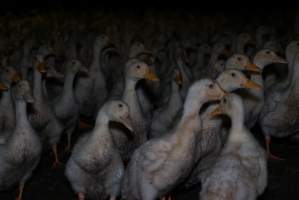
(69, 133)
(20, 191)
(112, 198)
(81, 196)
(268, 143)
(167, 197)
(56, 162)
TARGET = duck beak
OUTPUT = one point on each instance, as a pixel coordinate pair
(252, 68)
(280, 60)
(249, 84)
(178, 78)
(127, 122)
(217, 111)
(41, 68)
(151, 75)
(16, 77)
(3, 87)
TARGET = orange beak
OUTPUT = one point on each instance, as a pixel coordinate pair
(178, 77)
(151, 75)
(41, 68)
(251, 85)
(3, 87)
(216, 112)
(16, 77)
(252, 68)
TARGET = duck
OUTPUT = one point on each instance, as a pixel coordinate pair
(95, 168)
(162, 163)
(278, 117)
(135, 71)
(42, 117)
(20, 155)
(7, 109)
(240, 171)
(213, 133)
(91, 90)
(164, 116)
(66, 106)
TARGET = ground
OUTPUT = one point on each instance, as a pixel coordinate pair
(51, 184)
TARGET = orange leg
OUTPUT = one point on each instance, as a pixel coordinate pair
(56, 162)
(20, 192)
(81, 196)
(270, 155)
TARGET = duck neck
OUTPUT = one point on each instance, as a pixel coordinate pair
(21, 114)
(95, 65)
(193, 104)
(130, 90)
(102, 125)
(37, 86)
(68, 87)
(257, 78)
(237, 119)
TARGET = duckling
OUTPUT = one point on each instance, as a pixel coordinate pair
(66, 107)
(162, 163)
(136, 70)
(95, 168)
(240, 171)
(43, 118)
(163, 117)
(213, 133)
(20, 155)
(7, 109)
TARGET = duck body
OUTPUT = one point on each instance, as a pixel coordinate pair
(162, 163)
(95, 167)
(240, 171)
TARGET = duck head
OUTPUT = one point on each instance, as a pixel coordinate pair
(232, 79)
(241, 62)
(230, 105)
(118, 111)
(266, 57)
(40, 64)
(9, 76)
(138, 70)
(22, 91)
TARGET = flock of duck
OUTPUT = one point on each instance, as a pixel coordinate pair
(169, 109)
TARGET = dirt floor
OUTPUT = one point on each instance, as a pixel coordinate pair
(51, 184)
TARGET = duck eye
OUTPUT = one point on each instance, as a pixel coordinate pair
(120, 105)
(233, 74)
(267, 52)
(138, 66)
(224, 101)
(211, 86)
(239, 58)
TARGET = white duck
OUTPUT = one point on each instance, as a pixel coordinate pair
(240, 171)
(91, 91)
(95, 168)
(21, 153)
(66, 106)
(43, 118)
(279, 117)
(161, 163)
